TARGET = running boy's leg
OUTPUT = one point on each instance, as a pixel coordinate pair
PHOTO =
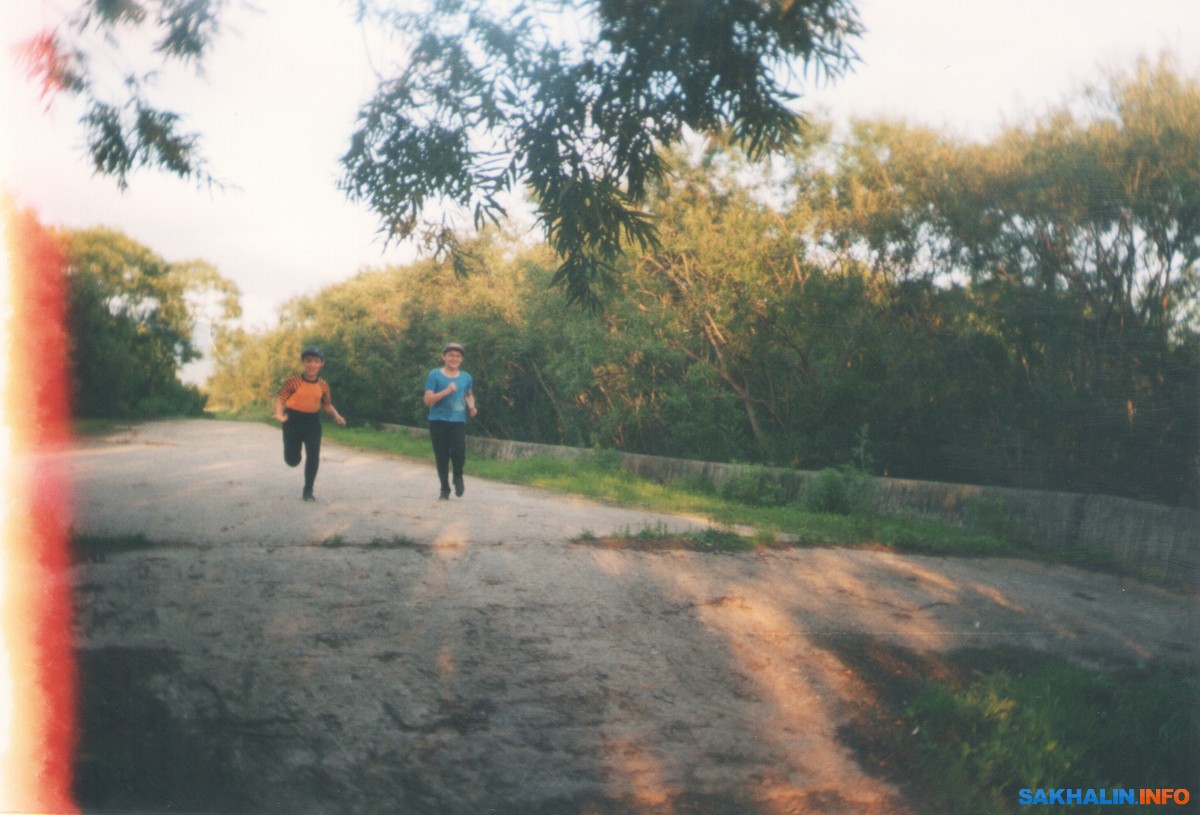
(293, 438)
(458, 453)
(312, 454)
(439, 435)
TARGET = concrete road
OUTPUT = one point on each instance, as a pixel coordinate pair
(380, 651)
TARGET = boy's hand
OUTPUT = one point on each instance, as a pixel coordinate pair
(341, 422)
(279, 417)
(451, 388)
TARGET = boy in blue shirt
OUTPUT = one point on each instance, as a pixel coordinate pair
(450, 400)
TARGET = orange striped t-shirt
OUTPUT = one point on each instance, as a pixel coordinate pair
(308, 397)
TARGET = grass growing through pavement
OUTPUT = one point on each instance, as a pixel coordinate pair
(659, 537)
(394, 542)
(602, 478)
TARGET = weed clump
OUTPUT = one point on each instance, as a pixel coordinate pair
(752, 486)
(844, 490)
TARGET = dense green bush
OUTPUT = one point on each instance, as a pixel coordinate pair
(844, 490)
(753, 486)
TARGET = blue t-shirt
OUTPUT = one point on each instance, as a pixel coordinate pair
(452, 407)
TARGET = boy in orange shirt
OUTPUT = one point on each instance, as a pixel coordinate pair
(298, 407)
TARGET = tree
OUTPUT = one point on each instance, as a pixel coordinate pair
(724, 266)
(1080, 237)
(873, 208)
(1088, 248)
(493, 97)
(131, 319)
(124, 130)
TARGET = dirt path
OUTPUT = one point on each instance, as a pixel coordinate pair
(379, 651)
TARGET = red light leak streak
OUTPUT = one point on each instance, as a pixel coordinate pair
(37, 669)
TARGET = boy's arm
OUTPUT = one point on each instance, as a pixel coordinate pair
(470, 399)
(332, 411)
(281, 398)
(327, 399)
(433, 397)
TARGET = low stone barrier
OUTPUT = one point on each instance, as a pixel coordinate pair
(1156, 541)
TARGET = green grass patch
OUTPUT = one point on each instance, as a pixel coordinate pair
(722, 540)
(250, 413)
(967, 731)
(795, 522)
(98, 427)
(387, 441)
(394, 542)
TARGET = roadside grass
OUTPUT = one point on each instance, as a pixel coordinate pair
(599, 476)
(965, 732)
(252, 413)
(388, 441)
(98, 427)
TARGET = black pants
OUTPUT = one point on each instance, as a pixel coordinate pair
(303, 429)
(449, 448)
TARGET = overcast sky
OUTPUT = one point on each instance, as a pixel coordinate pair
(280, 94)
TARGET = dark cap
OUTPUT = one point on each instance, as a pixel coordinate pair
(312, 351)
(454, 346)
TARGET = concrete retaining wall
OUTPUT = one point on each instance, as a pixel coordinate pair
(1149, 539)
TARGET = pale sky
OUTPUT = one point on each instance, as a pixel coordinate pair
(278, 101)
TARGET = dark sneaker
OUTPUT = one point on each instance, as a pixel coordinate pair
(308, 496)
(444, 495)
(459, 487)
